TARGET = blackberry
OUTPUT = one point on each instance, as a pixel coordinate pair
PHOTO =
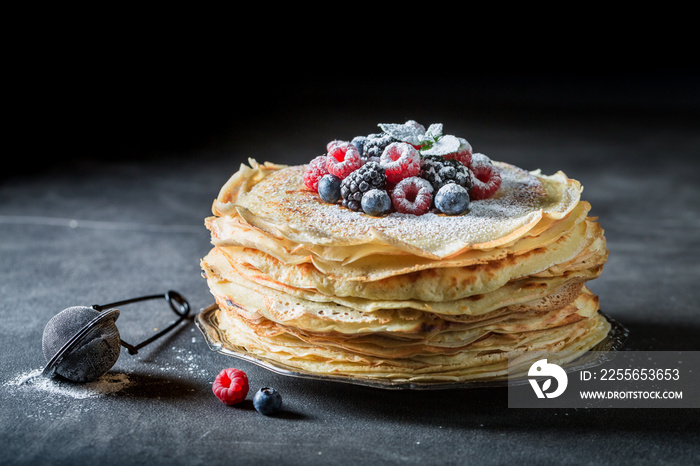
(440, 171)
(374, 144)
(369, 176)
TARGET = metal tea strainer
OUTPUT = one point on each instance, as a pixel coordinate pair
(82, 343)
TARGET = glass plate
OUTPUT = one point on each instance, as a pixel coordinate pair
(207, 321)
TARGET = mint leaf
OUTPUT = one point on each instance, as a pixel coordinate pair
(434, 131)
(443, 145)
(410, 132)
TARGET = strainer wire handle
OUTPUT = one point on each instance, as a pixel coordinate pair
(177, 302)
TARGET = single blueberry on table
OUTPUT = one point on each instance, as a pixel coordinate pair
(267, 401)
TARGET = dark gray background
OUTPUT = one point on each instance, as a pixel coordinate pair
(116, 174)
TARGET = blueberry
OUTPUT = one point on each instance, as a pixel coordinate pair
(359, 143)
(329, 188)
(267, 401)
(452, 199)
(376, 202)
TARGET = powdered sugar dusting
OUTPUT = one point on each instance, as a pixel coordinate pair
(184, 362)
(300, 214)
(33, 380)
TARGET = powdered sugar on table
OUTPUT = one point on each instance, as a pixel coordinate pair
(105, 385)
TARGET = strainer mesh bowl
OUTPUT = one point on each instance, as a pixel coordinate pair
(80, 343)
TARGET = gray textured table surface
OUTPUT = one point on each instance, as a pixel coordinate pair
(90, 229)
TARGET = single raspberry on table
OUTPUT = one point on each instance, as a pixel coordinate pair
(231, 386)
(412, 195)
(486, 179)
(343, 158)
(314, 172)
(400, 160)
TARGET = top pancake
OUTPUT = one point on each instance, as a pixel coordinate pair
(273, 198)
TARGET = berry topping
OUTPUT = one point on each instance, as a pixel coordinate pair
(381, 161)
(376, 202)
(343, 158)
(267, 401)
(486, 178)
(231, 386)
(452, 199)
(314, 172)
(413, 195)
(463, 153)
(356, 184)
(400, 160)
(440, 171)
(329, 188)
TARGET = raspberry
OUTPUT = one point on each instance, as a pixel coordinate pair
(440, 171)
(486, 178)
(231, 386)
(314, 172)
(343, 158)
(463, 154)
(332, 144)
(412, 195)
(354, 186)
(400, 160)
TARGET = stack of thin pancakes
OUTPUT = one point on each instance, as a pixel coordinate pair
(318, 289)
